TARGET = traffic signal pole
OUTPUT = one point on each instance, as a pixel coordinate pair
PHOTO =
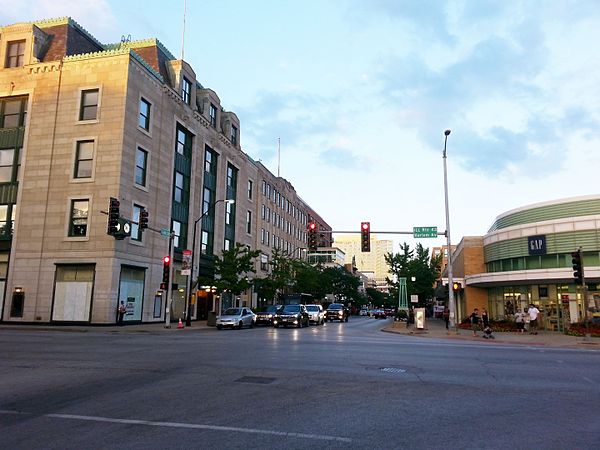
(170, 283)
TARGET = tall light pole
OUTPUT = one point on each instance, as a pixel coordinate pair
(188, 308)
(451, 300)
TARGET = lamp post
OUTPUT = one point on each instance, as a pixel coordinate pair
(188, 308)
(451, 300)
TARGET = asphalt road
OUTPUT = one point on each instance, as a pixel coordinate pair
(338, 386)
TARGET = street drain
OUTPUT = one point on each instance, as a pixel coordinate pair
(392, 370)
(255, 380)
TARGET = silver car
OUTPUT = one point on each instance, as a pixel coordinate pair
(236, 318)
(316, 314)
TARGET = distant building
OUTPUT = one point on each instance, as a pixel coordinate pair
(373, 261)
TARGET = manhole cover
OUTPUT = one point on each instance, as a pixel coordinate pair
(255, 380)
(392, 370)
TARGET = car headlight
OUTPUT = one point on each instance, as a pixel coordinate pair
(270, 316)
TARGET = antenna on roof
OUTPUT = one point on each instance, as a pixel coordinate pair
(183, 31)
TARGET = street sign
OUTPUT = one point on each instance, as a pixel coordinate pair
(425, 232)
(165, 232)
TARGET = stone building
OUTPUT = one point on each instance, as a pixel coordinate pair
(81, 122)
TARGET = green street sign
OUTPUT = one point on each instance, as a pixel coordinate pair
(425, 232)
(165, 232)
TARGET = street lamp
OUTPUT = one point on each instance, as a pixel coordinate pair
(188, 315)
(451, 300)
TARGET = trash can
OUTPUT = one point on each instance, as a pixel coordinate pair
(211, 321)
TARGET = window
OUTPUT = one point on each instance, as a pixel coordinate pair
(78, 220)
(176, 232)
(184, 142)
(178, 188)
(228, 213)
(88, 109)
(234, 133)
(264, 187)
(227, 244)
(213, 115)
(264, 262)
(84, 159)
(208, 161)
(144, 119)
(141, 162)
(249, 222)
(250, 189)
(186, 90)
(15, 54)
(206, 200)
(204, 242)
(263, 212)
(7, 156)
(13, 111)
(262, 235)
(231, 176)
(136, 231)
(266, 238)
(7, 224)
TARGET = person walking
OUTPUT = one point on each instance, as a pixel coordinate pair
(485, 318)
(446, 315)
(475, 321)
(121, 310)
(533, 319)
(520, 321)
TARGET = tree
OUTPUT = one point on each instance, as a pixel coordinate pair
(233, 267)
(415, 264)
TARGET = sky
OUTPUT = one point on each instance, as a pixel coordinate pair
(359, 94)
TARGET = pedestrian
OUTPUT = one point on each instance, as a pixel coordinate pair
(411, 318)
(533, 319)
(475, 321)
(446, 315)
(122, 310)
(520, 321)
(485, 318)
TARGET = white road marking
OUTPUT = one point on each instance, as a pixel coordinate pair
(196, 426)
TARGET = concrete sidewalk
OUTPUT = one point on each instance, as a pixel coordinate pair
(155, 327)
(435, 328)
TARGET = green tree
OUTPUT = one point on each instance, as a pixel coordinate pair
(415, 264)
(233, 267)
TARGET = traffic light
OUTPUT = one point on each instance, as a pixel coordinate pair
(456, 287)
(166, 271)
(113, 216)
(577, 267)
(143, 219)
(312, 236)
(365, 237)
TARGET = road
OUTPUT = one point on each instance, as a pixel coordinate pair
(338, 386)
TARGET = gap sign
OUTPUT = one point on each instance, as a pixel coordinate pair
(425, 232)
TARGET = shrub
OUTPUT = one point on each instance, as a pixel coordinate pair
(579, 329)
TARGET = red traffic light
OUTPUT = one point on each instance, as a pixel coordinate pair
(365, 225)
(167, 259)
(312, 226)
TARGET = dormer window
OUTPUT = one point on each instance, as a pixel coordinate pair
(212, 112)
(234, 135)
(186, 90)
(15, 54)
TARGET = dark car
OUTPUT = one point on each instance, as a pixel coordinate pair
(337, 311)
(379, 314)
(266, 317)
(295, 315)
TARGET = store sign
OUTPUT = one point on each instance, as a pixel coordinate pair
(537, 244)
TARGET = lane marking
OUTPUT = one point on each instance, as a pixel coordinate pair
(195, 426)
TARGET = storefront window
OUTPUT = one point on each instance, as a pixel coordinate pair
(131, 292)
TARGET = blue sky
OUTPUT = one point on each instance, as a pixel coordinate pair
(360, 93)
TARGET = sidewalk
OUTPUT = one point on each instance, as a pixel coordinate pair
(435, 328)
(155, 327)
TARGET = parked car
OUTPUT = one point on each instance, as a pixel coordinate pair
(316, 314)
(236, 318)
(379, 314)
(363, 312)
(266, 317)
(337, 311)
(291, 315)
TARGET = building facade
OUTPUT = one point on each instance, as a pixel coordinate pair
(81, 122)
(525, 258)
